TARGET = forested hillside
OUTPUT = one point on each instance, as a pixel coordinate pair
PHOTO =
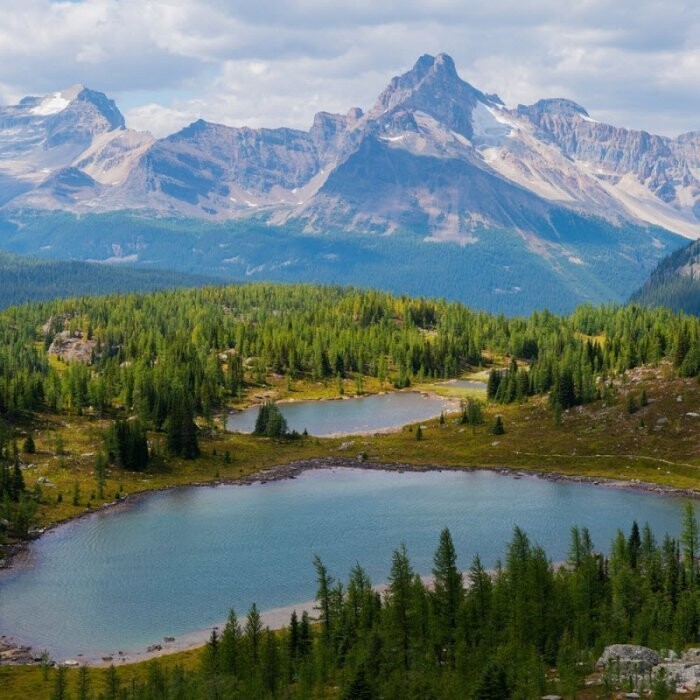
(141, 372)
(675, 283)
(25, 279)
(496, 271)
(198, 348)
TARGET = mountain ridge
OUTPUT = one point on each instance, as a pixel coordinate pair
(553, 149)
(541, 191)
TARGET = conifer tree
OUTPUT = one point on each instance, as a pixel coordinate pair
(252, 635)
(448, 594)
(29, 447)
(690, 539)
(230, 646)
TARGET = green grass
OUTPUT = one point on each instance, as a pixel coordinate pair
(33, 683)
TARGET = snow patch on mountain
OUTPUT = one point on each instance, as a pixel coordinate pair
(490, 125)
(52, 104)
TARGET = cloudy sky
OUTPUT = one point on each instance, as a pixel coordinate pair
(633, 63)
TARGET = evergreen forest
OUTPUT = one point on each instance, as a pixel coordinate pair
(159, 355)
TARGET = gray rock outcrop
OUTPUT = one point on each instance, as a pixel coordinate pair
(628, 658)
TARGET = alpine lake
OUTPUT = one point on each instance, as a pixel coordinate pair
(173, 562)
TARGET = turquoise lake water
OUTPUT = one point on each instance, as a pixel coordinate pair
(176, 561)
(349, 416)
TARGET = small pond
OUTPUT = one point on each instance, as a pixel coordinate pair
(349, 416)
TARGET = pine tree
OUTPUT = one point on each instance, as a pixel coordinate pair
(210, 658)
(323, 597)
(448, 594)
(294, 640)
(401, 607)
(270, 421)
(100, 473)
(60, 687)
(230, 646)
(28, 446)
(359, 688)
(493, 384)
(83, 683)
(261, 420)
(112, 683)
(493, 683)
(76, 493)
(634, 544)
(17, 481)
(305, 638)
(252, 635)
(270, 662)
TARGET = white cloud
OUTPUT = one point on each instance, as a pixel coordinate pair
(276, 62)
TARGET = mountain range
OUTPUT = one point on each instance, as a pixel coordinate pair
(438, 188)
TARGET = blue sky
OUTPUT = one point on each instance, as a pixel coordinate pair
(272, 63)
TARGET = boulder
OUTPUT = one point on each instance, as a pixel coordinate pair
(631, 658)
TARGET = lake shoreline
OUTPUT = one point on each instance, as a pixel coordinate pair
(291, 470)
(16, 652)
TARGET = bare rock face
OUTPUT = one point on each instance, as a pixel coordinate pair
(666, 167)
(72, 348)
(683, 673)
(627, 662)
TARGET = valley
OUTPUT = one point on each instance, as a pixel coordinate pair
(245, 367)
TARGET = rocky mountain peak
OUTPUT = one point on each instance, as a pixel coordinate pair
(442, 63)
(103, 106)
(432, 86)
(429, 75)
(77, 115)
